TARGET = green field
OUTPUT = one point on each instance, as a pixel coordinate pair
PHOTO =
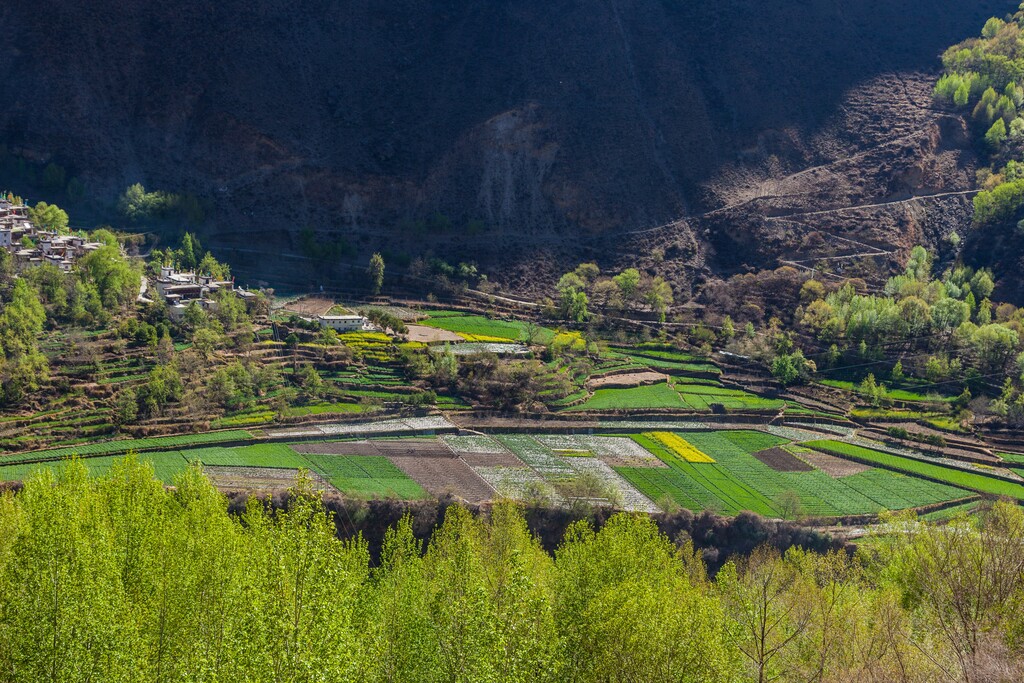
(165, 465)
(651, 396)
(366, 476)
(326, 408)
(513, 330)
(897, 394)
(737, 481)
(680, 396)
(951, 512)
(1016, 458)
(664, 360)
(125, 445)
(701, 397)
(259, 455)
(949, 475)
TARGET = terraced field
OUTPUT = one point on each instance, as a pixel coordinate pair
(728, 471)
(477, 328)
(366, 476)
(260, 455)
(166, 466)
(697, 395)
(956, 477)
(738, 481)
(634, 398)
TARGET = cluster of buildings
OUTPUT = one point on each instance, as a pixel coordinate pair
(180, 290)
(47, 247)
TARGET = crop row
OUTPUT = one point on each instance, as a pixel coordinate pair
(125, 445)
(739, 481)
(940, 473)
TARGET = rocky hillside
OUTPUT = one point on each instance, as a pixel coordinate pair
(513, 132)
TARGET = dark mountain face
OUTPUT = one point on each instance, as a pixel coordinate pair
(499, 129)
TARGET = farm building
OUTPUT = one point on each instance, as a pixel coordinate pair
(343, 323)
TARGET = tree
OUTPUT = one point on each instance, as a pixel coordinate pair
(375, 273)
(311, 383)
(573, 300)
(163, 386)
(126, 407)
(789, 368)
(919, 266)
(996, 135)
(190, 252)
(760, 594)
(49, 217)
(962, 95)
(949, 314)
(116, 278)
(992, 27)
(214, 268)
(982, 284)
(628, 282)
(629, 608)
(812, 290)
(966, 577)
(659, 297)
(588, 272)
(574, 306)
(206, 341)
(728, 330)
(789, 504)
(21, 320)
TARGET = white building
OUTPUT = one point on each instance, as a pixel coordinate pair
(343, 323)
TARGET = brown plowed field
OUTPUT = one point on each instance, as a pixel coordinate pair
(426, 448)
(441, 476)
(310, 306)
(422, 333)
(337, 448)
(782, 460)
(631, 379)
(833, 466)
(419, 448)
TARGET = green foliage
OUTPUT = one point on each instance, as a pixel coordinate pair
(120, 565)
(22, 366)
(116, 278)
(375, 273)
(790, 368)
(628, 282)
(996, 135)
(49, 217)
(138, 206)
(163, 386)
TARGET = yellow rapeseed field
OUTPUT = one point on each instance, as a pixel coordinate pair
(680, 447)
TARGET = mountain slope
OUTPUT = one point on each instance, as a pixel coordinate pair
(498, 129)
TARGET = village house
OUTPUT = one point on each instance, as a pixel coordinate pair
(180, 290)
(46, 247)
(343, 323)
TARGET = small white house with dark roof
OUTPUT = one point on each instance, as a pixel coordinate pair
(343, 323)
